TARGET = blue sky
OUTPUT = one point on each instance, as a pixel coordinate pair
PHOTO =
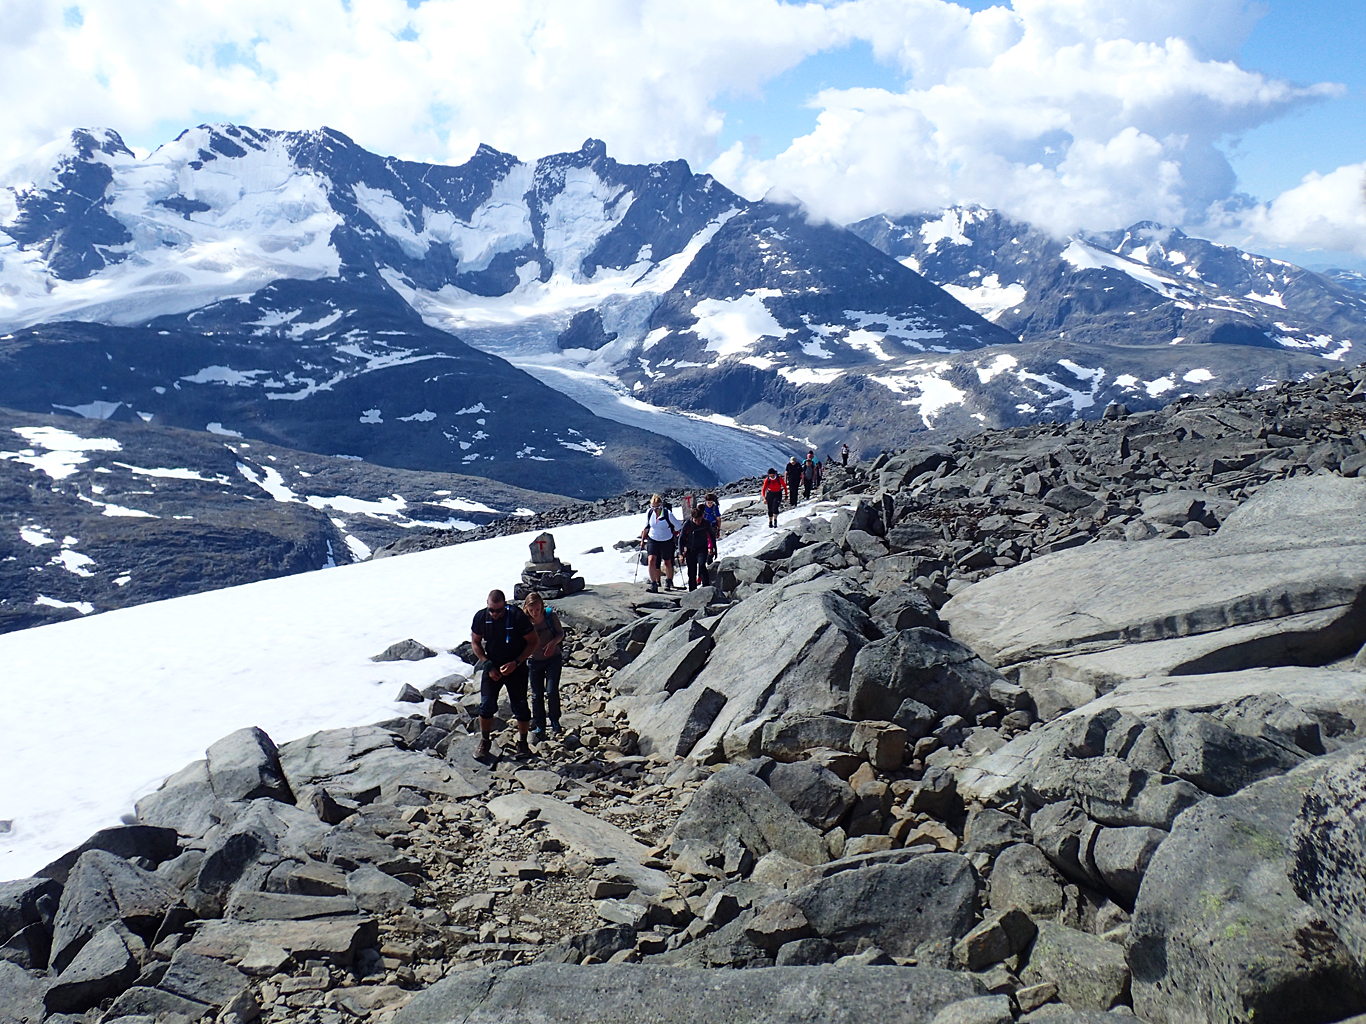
(1305, 41)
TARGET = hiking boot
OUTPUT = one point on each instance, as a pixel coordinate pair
(538, 734)
(555, 726)
(668, 584)
(523, 751)
(482, 753)
(653, 587)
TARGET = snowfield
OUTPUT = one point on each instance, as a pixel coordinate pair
(98, 711)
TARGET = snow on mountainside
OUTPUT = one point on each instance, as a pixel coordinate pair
(1145, 285)
(504, 253)
(101, 515)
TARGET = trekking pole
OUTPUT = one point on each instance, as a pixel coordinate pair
(636, 575)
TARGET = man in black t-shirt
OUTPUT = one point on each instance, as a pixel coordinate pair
(503, 638)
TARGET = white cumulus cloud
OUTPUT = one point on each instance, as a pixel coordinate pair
(1069, 113)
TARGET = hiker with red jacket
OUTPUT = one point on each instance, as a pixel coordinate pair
(771, 491)
(660, 534)
(697, 547)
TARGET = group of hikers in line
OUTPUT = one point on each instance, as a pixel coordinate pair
(520, 647)
(801, 476)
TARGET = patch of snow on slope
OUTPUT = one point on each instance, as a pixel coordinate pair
(808, 375)
(173, 474)
(73, 562)
(267, 219)
(1003, 361)
(225, 375)
(989, 299)
(1086, 257)
(1160, 386)
(37, 537)
(1200, 376)
(63, 450)
(948, 228)
(85, 608)
(222, 431)
(1272, 298)
(732, 326)
(96, 410)
(936, 394)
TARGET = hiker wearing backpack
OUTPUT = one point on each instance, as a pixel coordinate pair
(809, 473)
(543, 668)
(660, 533)
(771, 491)
(844, 456)
(711, 510)
(794, 480)
(697, 547)
(503, 639)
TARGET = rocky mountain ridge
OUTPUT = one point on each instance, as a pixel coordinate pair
(984, 775)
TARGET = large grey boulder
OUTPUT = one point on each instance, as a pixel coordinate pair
(1219, 933)
(1022, 877)
(645, 994)
(922, 665)
(1328, 842)
(1090, 973)
(187, 803)
(1298, 546)
(103, 889)
(595, 840)
(104, 967)
(735, 804)
(245, 765)
(818, 795)
(22, 903)
(668, 662)
(601, 609)
(1333, 696)
(128, 841)
(363, 765)
(203, 979)
(21, 995)
(896, 906)
(1217, 759)
(810, 636)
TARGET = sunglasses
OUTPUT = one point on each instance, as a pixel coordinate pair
(495, 612)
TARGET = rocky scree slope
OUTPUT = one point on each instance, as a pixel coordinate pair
(975, 819)
(106, 515)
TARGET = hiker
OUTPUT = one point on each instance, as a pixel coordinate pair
(543, 669)
(712, 511)
(810, 473)
(696, 545)
(844, 456)
(660, 533)
(503, 639)
(794, 480)
(771, 491)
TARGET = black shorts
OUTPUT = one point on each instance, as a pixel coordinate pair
(662, 549)
(516, 688)
(775, 501)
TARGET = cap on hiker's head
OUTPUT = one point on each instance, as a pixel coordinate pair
(772, 471)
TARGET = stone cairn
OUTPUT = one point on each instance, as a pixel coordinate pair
(545, 573)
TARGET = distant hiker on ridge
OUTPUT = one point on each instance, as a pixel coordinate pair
(660, 533)
(810, 473)
(794, 480)
(844, 456)
(503, 639)
(697, 547)
(543, 670)
(771, 492)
